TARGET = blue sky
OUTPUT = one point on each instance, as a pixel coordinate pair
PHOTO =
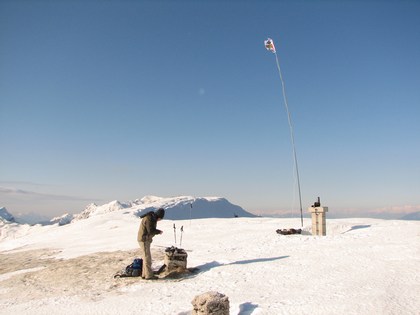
(105, 100)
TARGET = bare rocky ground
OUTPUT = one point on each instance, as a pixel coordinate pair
(36, 274)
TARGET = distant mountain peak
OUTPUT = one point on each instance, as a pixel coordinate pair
(94, 209)
(189, 207)
(4, 214)
(412, 216)
(151, 199)
(62, 220)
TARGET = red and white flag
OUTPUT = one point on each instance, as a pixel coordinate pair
(269, 44)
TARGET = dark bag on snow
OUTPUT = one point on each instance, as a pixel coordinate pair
(132, 270)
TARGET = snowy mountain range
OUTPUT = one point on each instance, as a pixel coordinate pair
(177, 208)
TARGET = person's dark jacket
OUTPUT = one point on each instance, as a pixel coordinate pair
(148, 228)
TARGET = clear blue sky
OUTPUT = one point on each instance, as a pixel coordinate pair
(105, 100)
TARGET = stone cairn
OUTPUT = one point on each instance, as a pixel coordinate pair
(175, 263)
(175, 259)
(210, 303)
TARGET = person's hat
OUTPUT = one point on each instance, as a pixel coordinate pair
(160, 213)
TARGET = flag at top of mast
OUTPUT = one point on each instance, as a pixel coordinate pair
(269, 44)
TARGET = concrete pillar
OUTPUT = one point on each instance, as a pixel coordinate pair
(318, 220)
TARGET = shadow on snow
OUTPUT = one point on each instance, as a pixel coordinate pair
(195, 271)
(247, 308)
(357, 227)
(210, 265)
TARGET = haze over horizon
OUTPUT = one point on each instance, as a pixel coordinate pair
(116, 100)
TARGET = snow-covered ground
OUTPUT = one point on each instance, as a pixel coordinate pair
(362, 266)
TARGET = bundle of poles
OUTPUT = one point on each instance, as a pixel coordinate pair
(182, 231)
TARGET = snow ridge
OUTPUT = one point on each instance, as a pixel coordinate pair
(177, 208)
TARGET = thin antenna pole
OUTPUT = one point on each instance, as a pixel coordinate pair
(191, 206)
(175, 233)
(292, 137)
